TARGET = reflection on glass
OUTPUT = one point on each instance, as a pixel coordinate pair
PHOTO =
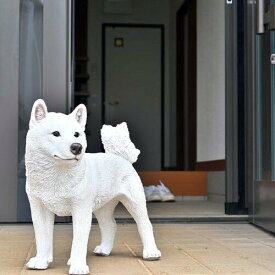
(259, 111)
(30, 81)
(272, 44)
(264, 109)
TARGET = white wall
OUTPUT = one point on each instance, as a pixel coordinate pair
(144, 12)
(210, 80)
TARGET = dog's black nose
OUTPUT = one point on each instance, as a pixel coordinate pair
(76, 148)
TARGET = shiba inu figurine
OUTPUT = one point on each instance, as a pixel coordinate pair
(64, 180)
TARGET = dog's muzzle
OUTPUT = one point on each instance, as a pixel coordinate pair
(76, 148)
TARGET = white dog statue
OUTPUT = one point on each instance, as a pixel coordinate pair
(64, 180)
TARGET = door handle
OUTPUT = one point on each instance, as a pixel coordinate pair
(265, 17)
(114, 103)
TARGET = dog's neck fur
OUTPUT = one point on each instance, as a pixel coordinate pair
(58, 177)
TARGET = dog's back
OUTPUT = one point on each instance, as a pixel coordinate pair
(110, 176)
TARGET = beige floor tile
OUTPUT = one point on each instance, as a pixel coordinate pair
(186, 249)
(12, 253)
(187, 241)
(239, 268)
(15, 238)
(19, 228)
(268, 265)
(51, 270)
(13, 271)
(173, 256)
(199, 246)
(7, 264)
(121, 260)
(217, 257)
(179, 270)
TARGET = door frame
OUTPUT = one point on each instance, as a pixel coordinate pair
(250, 69)
(235, 109)
(186, 86)
(162, 76)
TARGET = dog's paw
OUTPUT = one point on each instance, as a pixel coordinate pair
(79, 269)
(50, 259)
(151, 254)
(101, 250)
(37, 263)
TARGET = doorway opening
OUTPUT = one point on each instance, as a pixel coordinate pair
(159, 66)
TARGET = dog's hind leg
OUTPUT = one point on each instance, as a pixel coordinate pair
(136, 205)
(107, 225)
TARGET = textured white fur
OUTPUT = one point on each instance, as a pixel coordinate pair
(116, 140)
(62, 184)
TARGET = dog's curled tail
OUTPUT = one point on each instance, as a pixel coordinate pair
(116, 140)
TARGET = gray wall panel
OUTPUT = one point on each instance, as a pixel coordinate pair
(9, 62)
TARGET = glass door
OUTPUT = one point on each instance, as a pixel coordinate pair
(264, 134)
(44, 72)
(30, 85)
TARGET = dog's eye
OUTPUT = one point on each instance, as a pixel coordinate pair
(56, 134)
(76, 134)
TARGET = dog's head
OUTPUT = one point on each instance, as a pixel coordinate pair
(57, 135)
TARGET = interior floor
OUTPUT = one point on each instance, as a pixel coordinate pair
(181, 210)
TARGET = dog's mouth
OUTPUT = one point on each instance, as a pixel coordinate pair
(75, 158)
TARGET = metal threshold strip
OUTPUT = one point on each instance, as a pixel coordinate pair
(175, 220)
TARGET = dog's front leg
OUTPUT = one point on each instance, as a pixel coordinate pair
(43, 222)
(82, 218)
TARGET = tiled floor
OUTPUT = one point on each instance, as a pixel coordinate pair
(186, 249)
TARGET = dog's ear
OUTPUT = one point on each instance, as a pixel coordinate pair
(80, 115)
(39, 112)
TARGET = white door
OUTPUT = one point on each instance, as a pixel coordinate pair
(133, 88)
